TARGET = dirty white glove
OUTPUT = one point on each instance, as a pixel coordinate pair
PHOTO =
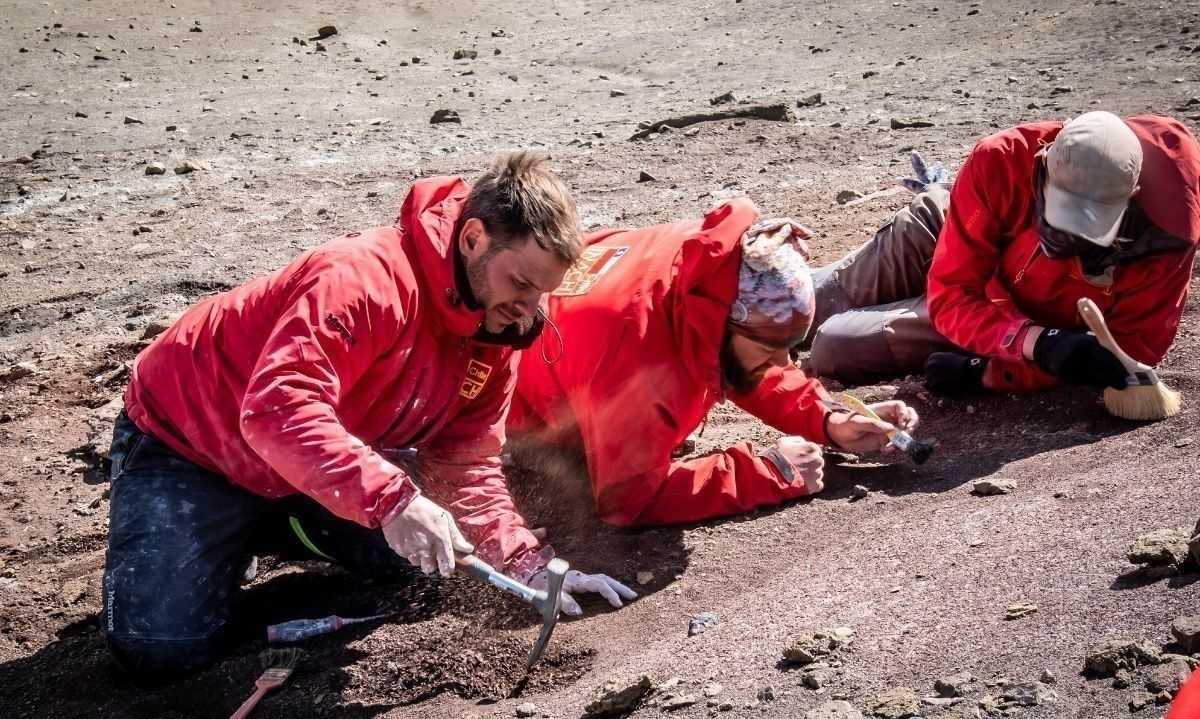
(924, 175)
(790, 227)
(576, 582)
(426, 535)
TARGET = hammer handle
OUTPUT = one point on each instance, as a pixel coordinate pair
(483, 571)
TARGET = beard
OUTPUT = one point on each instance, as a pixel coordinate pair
(485, 297)
(740, 379)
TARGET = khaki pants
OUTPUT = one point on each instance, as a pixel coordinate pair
(872, 321)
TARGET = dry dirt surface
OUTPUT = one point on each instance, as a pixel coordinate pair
(297, 141)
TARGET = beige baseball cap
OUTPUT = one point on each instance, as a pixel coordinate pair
(1092, 170)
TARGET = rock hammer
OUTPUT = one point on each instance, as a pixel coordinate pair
(548, 602)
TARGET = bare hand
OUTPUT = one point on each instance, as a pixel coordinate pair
(856, 433)
(426, 535)
(806, 459)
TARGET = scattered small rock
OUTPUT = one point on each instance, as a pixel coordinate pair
(326, 31)
(616, 93)
(711, 689)
(835, 710)
(898, 703)
(1122, 679)
(987, 487)
(807, 648)
(812, 100)
(445, 116)
(1108, 658)
(618, 695)
(1168, 676)
(814, 679)
(189, 166)
(644, 578)
(644, 176)
(466, 54)
(80, 113)
(723, 99)
(1048, 677)
(132, 121)
(156, 168)
(1140, 701)
(1025, 694)
(157, 327)
(72, 591)
(528, 709)
(701, 622)
(940, 702)
(766, 694)
(678, 702)
(1160, 548)
(859, 492)
(955, 685)
(1186, 631)
(845, 196)
(899, 123)
(1016, 611)
(20, 370)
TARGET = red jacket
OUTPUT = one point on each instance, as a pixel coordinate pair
(641, 320)
(989, 280)
(1187, 701)
(294, 382)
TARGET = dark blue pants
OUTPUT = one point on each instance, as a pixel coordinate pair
(179, 537)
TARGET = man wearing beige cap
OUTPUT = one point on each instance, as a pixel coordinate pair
(978, 285)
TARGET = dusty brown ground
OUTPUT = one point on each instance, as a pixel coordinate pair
(295, 158)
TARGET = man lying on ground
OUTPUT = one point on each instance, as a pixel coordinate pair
(654, 327)
(262, 417)
(979, 285)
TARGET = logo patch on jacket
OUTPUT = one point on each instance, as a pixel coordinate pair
(584, 274)
(477, 375)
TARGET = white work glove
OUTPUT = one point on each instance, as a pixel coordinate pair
(426, 535)
(575, 582)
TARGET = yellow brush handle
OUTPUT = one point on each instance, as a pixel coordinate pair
(858, 406)
(1094, 319)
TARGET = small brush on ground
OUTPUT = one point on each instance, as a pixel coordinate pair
(1145, 397)
(279, 664)
(918, 449)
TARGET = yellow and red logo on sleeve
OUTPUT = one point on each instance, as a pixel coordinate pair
(584, 274)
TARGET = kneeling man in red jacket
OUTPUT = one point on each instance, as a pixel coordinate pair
(275, 410)
(655, 326)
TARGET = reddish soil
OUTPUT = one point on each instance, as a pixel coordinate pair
(922, 569)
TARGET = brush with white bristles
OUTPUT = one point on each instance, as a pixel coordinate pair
(1145, 397)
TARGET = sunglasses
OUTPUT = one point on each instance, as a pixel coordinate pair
(1057, 244)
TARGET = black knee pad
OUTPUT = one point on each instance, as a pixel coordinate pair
(161, 661)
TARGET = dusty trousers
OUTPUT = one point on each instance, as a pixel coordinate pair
(179, 539)
(872, 321)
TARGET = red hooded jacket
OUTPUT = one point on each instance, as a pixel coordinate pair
(990, 281)
(1187, 701)
(641, 319)
(295, 382)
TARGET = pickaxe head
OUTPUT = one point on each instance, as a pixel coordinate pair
(549, 603)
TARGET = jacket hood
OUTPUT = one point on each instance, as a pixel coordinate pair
(428, 218)
(706, 282)
(1171, 156)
